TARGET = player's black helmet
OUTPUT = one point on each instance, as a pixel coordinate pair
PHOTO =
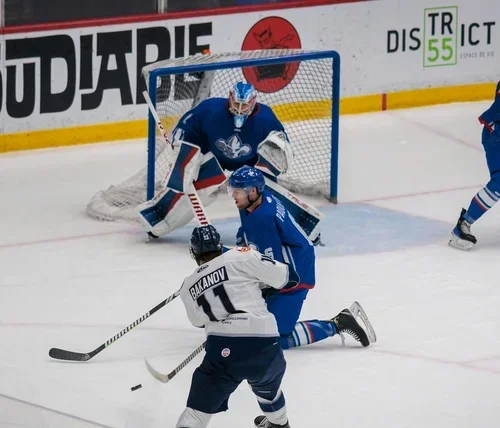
(204, 239)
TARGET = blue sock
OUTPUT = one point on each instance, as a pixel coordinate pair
(306, 332)
(481, 203)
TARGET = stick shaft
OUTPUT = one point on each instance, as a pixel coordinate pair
(61, 354)
(164, 378)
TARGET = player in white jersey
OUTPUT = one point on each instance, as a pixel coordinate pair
(224, 295)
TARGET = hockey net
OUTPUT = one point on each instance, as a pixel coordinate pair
(298, 91)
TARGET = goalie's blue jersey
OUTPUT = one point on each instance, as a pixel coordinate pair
(491, 117)
(210, 125)
(272, 231)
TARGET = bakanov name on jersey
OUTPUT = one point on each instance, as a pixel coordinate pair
(205, 282)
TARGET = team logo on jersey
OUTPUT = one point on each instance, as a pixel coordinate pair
(233, 147)
(271, 33)
(225, 352)
(243, 249)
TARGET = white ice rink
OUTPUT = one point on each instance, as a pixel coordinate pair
(72, 282)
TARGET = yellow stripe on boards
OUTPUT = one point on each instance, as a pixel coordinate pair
(361, 104)
(286, 113)
(442, 95)
(75, 135)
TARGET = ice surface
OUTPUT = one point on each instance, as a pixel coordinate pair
(72, 282)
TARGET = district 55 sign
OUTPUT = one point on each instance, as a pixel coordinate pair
(443, 39)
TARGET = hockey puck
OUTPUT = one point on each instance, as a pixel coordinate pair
(135, 388)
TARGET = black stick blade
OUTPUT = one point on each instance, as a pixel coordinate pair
(61, 354)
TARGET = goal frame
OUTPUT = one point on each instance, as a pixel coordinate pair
(197, 68)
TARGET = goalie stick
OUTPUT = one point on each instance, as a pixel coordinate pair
(61, 354)
(196, 204)
(164, 378)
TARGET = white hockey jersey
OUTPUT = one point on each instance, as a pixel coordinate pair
(224, 295)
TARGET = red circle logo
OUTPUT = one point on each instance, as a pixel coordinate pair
(271, 33)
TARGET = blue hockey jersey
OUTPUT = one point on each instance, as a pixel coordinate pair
(491, 117)
(210, 125)
(271, 230)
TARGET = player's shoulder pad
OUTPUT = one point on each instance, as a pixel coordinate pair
(212, 103)
(242, 253)
(266, 112)
(271, 206)
(202, 109)
(245, 252)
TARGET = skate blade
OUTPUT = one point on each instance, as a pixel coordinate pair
(459, 244)
(359, 313)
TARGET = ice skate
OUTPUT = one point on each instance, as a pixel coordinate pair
(461, 238)
(317, 241)
(262, 422)
(346, 322)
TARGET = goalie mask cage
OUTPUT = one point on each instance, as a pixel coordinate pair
(302, 88)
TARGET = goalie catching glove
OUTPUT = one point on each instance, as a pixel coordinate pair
(275, 154)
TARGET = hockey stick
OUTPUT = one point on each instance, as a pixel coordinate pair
(61, 354)
(294, 199)
(196, 204)
(164, 378)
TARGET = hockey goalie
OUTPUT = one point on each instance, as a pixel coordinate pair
(217, 137)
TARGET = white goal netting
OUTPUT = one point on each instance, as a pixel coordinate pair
(299, 92)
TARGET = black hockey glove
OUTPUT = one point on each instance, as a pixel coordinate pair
(268, 291)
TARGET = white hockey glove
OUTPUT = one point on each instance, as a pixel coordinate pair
(275, 154)
(186, 166)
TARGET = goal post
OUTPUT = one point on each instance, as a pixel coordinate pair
(301, 87)
(233, 62)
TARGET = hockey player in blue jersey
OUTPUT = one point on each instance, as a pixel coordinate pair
(267, 226)
(222, 134)
(461, 236)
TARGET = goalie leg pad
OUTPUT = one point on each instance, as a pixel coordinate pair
(169, 210)
(186, 167)
(154, 211)
(180, 214)
(211, 176)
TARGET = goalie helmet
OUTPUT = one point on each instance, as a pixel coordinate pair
(204, 239)
(242, 100)
(246, 178)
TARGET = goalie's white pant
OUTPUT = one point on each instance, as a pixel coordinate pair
(191, 418)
